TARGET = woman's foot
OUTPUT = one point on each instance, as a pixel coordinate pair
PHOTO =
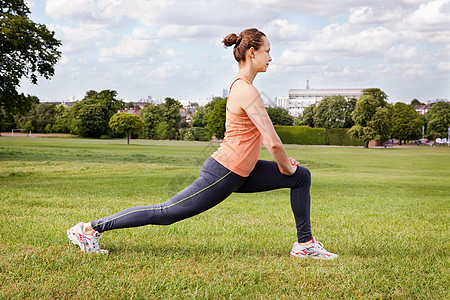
(87, 242)
(314, 250)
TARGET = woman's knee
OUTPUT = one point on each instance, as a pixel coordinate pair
(303, 176)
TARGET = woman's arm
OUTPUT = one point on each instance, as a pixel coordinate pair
(252, 104)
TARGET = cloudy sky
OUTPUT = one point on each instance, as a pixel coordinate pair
(172, 48)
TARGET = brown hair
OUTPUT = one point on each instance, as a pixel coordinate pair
(245, 40)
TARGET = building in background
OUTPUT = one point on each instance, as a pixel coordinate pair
(299, 99)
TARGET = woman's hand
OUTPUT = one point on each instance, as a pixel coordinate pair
(293, 161)
(291, 168)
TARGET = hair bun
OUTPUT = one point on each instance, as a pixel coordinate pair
(231, 39)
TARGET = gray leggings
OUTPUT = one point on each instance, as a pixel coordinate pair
(214, 184)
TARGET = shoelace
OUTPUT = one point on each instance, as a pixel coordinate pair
(318, 245)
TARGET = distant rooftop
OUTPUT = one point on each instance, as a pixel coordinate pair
(325, 92)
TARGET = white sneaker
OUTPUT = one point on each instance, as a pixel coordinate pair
(87, 242)
(315, 250)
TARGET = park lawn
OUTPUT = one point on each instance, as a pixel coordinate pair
(384, 211)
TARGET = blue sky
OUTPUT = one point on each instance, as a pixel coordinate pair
(168, 48)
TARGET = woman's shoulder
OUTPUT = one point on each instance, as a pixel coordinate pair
(243, 89)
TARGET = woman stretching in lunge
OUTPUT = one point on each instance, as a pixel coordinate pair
(234, 167)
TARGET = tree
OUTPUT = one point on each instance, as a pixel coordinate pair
(41, 115)
(89, 120)
(407, 123)
(162, 121)
(334, 112)
(126, 123)
(171, 115)
(28, 127)
(307, 118)
(439, 119)
(416, 102)
(216, 119)
(28, 49)
(201, 117)
(151, 116)
(91, 115)
(279, 116)
(372, 117)
(62, 119)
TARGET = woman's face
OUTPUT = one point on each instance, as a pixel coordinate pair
(262, 56)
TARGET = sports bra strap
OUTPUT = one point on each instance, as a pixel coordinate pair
(237, 78)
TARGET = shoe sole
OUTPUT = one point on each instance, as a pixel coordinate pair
(312, 257)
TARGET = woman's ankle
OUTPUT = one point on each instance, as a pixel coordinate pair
(305, 244)
(88, 229)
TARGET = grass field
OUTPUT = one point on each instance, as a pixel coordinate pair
(384, 211)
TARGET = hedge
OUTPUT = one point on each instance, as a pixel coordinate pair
(340, 137)
(303, 135)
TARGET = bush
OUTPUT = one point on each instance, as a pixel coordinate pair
(304, 135)
(340, 137)
(201, 134)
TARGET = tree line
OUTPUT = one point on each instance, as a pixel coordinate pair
(369, 118)
(93, 117)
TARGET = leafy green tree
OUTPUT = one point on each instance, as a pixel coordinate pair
(351, 105)
(7, 121)
(307, 117)
(41, 115)
(28, 49)
(407, 123)
(333, 112)
(171, 115)
(162, 121)
(216, 119)
(438, 117)
(279, 116)
(151, 116)
(372, 117)
(89, 120)
(90, 116)
(16, 117)
(162, 130)
(201, 117)
(416, 102)
(376, 93)
(48, 128)
(126, 123)
(28, 127)
(62, 119)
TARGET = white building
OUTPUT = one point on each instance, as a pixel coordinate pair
(299, 99)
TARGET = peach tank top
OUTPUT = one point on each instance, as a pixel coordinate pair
(241, 145)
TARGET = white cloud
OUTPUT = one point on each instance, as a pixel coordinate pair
(444, 66)
(107, 13)
(281, 30)
(153, 45)
(130, 49)
(432, 16)
(374, 15)
(80, 39)
(187, 34)
(70, 9)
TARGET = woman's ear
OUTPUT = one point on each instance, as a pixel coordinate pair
(252, 52)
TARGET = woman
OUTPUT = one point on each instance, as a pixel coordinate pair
(234, 167)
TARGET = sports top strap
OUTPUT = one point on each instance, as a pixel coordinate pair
(237, 78)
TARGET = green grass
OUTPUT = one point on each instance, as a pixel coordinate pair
(384, 211)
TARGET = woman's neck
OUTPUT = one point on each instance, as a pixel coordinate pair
(247, 73)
